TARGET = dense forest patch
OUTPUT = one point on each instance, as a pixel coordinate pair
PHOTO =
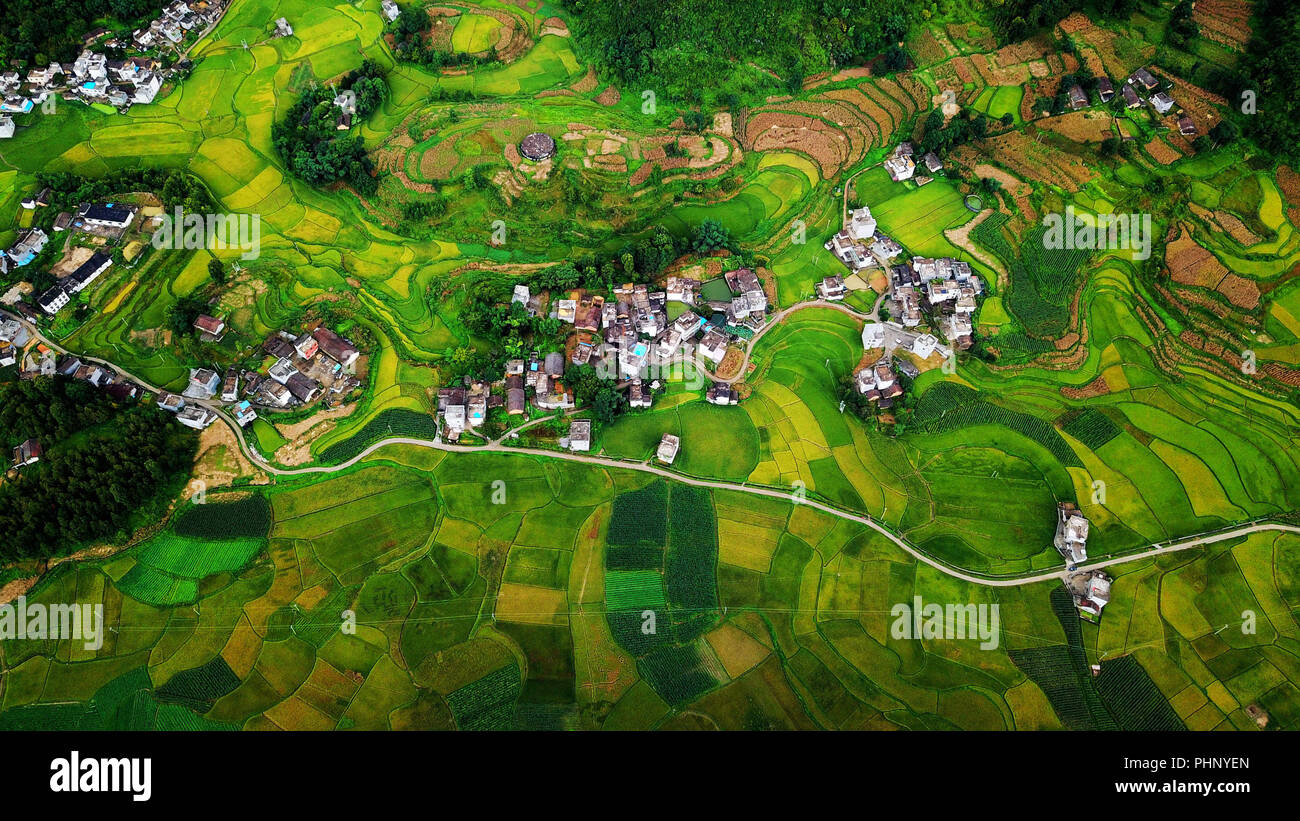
(680, 47)
(103, 468)
(309, 141)
(42, 31)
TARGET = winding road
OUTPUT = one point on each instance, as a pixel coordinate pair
(497, 446)
(772, 322)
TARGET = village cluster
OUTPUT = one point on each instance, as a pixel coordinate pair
(626, 337)
(925, 297)
(100, 222)
(902, 165)
(1141, 84)
(297, 371)
(94, 77)
(940, 295)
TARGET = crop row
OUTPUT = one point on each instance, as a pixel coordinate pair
(958, 407)
(640, 517)
(488, 703)
(677, 673)
(400, 422)
(1091, 427)
(198, 687)
(191, 558)
(690, 568)
(250, 516)
(1127, 689)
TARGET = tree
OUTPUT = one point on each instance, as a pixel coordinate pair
(183, 313)
(217, 271)
(370, 92)
(1224, 132)
(1182, 27)
(316, 151)
(607, 404)
(794, 77)
(934, 121)
(961, 129)
(894, 59)
(434, 205)
(710, 235)
(696, 120)
(592, 391)
(688, 49)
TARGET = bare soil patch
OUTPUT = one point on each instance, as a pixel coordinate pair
(1229, 223)
(71, 261)
(18, 587)
(301, 435)
(731, 362)
(1240, 291)
(1097, 387)
(588, 83)
(1080, 126)
(960, 236)
(859, 73)
(1011, 183)
(773, 130)
(1201, 105)
(1031, 159)
(1161, 151)
(220, 462)
(1226, 22)
(556, 26)
(438, 161)
(1289, 182)
(1191, 264)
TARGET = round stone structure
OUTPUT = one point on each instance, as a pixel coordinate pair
(537, 146)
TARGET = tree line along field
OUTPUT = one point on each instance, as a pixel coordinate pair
(528, 614)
